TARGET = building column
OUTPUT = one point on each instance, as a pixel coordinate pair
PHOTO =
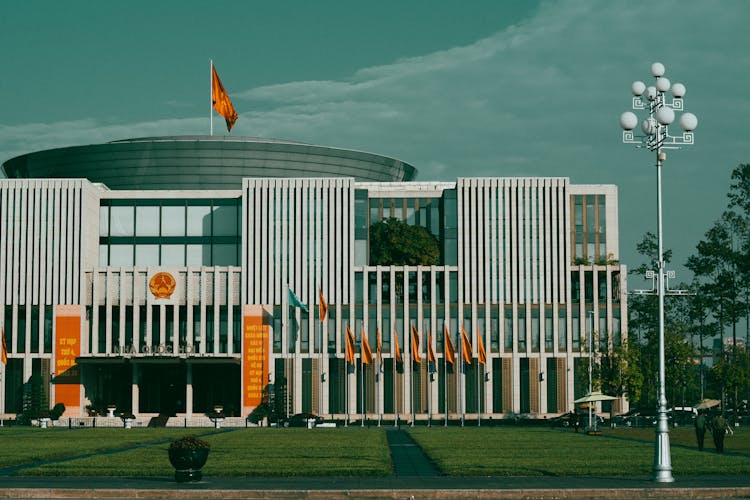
(135, 394)
(189, 389)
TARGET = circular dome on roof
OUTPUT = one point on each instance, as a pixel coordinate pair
(202, 162)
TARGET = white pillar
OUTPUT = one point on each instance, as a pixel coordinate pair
(135, 395)
(189, 389)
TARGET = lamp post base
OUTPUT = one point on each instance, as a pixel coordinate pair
(662, 460)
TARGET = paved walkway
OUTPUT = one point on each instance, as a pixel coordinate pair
(408, 458)
(414, 477)
(394, 487)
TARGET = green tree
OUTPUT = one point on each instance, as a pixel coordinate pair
(621, 372)
(732, 372)
(395, 243)
(643, 312)
(636, 366)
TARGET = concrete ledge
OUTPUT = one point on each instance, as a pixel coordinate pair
(196, 492)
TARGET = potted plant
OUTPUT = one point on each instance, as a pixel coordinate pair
(188, 455)
(111, 407)
(127, 419)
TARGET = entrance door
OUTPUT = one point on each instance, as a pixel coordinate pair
(162, 389)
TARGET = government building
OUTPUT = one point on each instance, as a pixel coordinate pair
(168, 275)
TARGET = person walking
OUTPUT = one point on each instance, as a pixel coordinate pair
(719, 429)
(700, 428)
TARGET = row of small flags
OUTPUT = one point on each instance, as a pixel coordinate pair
(450, 351)
(366, 351)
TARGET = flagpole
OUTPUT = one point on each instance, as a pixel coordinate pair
(346, 379)
(320, 366)
(479, 397)
(377, 374)
(211, 98)
(429, 380)
(395, 377)
(445, 385)
(460, 381)
(445, 373)
(362, 381)
(377, 384)
(411, 373)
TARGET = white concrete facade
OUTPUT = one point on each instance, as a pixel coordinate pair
(509, 273)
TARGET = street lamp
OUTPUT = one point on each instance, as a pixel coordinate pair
(655, 101)
(591, 355)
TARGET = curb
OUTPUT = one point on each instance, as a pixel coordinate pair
(391, 494)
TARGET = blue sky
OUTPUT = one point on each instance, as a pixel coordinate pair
(480, 88)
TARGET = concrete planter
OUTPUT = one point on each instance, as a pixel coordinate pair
(188, 464)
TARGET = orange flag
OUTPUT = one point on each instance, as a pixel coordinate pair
(450, 351)
(4, 354)
(323, 306)
(396, 348)
(366, 351)
(220, 100)
(465, 346)
(380, 348)
(480, 348)
(349, 346)
(430, 352)
(415, 345)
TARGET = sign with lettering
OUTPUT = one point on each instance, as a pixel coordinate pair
(254, 355)
(67, 348)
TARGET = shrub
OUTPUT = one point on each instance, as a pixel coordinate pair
(189, 443)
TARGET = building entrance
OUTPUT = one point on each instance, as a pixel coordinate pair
(162, 389)
(216, 384)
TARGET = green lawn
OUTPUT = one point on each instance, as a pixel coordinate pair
(511, 451)
(246, 452)
(28, 444)
(468, 451)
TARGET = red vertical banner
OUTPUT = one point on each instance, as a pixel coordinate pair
(254, 356)
(67, 381)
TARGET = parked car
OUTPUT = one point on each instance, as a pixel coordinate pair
(637, 417)
(302, 420)
(682, 415)
(568, 420)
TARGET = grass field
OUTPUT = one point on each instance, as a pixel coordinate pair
(24, 445)
(509, 451)
(246, 452)
(468, 451)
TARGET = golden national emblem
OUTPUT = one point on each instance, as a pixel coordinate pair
(162, 285)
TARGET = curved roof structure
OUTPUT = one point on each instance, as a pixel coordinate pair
(202, 162)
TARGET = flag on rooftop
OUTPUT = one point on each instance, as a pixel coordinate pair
(220, 100)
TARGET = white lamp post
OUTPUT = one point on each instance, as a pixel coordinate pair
(655, 101)
(592, 427)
